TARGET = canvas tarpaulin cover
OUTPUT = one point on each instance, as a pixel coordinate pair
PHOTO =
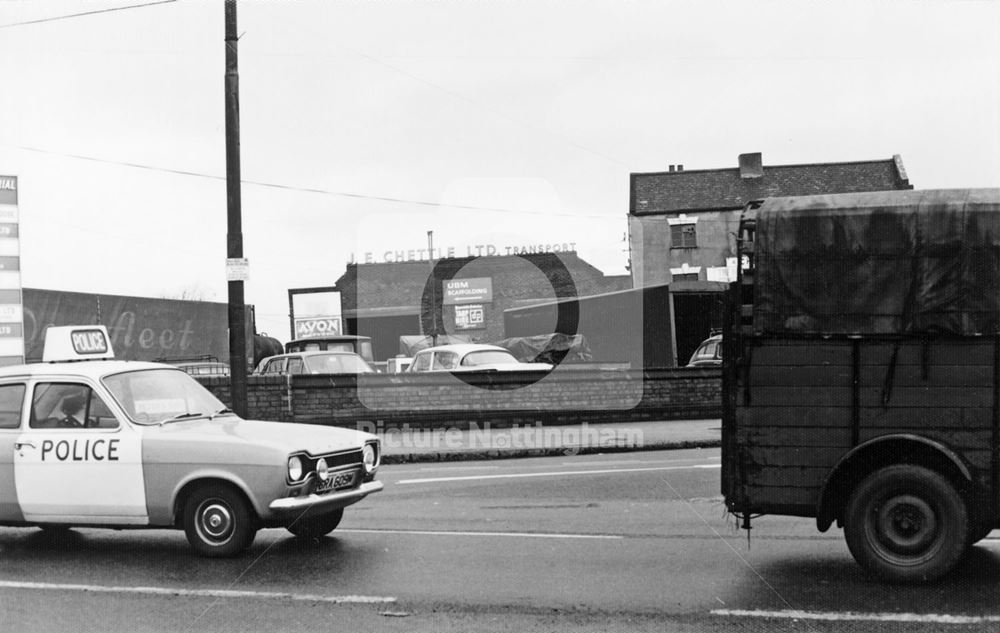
(548, 348)
(892, 262)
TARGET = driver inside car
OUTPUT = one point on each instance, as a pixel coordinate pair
(72, 407)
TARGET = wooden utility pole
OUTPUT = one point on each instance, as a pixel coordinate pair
(434, 292)
(234, 236)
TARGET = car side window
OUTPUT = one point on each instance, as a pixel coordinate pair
(11, 401)
(295, 366)
(99, 415)
(710, 349)
(422, 362)
(275, 366)
(445, 360)
(69, 405)
(716, 350)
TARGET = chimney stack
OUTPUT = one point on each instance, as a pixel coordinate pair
(751, 165)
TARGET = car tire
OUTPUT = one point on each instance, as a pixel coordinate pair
(316, 526)
(906, 523)
(218, 521)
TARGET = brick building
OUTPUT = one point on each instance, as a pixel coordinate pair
(389, 300)
(682, 225)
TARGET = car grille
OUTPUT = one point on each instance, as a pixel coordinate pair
(347, 458)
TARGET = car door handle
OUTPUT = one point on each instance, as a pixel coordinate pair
(19, 445)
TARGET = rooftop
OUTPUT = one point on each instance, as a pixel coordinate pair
(679, 190)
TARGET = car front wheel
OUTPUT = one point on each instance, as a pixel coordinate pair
(218, 521)
(906, 523)
(316, 526)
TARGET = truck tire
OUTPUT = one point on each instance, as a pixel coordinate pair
(979, 531)
(316, 526)
(218, 521)
(906, 523)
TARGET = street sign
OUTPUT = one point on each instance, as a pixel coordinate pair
(237, 269)
(470, 317)
(471, 290)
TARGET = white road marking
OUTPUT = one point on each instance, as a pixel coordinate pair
(199, 593)
(396, 470)
(612, 537)
(561, 473)
(836, 616)
(618, 462)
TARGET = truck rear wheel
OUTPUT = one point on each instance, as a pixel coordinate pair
(906, 523)
(979, 531)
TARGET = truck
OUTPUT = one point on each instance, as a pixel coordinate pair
(861, 372)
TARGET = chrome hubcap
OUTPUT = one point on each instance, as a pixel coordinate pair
(215, 521)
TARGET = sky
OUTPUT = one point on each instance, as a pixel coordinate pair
(364, 125)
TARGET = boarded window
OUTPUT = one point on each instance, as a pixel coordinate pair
(683, 236)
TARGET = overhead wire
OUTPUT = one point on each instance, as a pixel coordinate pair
(313, 190)
(84, 13)
(321, 191)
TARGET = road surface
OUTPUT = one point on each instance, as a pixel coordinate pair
(636, 542)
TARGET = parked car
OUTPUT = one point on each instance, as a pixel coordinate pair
(470, 357)
(205, 368)
(95, 442)
(708, 354)
(204, 365)
(314, 363)
(361, 345)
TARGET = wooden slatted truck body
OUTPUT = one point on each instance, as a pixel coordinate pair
(861, 375)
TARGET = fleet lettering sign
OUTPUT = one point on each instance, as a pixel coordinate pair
(472, 290)
(476, 250)
(317, 326)
(89, 342)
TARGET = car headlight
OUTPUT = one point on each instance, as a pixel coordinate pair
(369, 458)
(322, 469)
(294, 468)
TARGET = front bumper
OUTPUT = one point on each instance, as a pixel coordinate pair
(329, 501)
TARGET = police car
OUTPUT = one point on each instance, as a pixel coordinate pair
(86, 440)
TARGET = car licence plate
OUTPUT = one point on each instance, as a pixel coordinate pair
(337, 481)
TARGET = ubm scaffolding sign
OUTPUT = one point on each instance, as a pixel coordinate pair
(11, 304)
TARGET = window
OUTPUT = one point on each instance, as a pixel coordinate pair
(708, 351)
(683, 236)
(445, 360)
(295, 365)
(152, 396)
(489, 357)
(421, 363)
(276, 366)
(69, 405)
(11, 399)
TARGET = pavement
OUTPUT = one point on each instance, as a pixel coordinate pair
(427, 445)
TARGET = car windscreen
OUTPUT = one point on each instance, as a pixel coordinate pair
(336, 364)
(151, 396)
(488, 357)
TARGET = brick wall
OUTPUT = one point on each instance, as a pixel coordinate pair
(441, 400)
